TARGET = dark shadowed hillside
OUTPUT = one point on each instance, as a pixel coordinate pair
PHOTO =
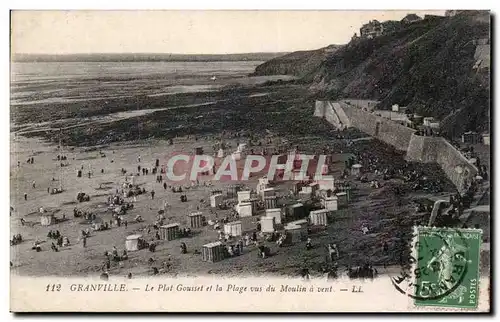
(427, 66)
(298, 63)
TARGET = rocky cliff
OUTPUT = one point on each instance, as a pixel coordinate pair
(431, 66)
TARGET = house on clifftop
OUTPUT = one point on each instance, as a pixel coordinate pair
(371, 30)
(452, 13)
(376, 28)
(411, 17)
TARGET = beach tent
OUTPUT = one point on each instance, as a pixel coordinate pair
(170, 231)
(233, 228)
(134, 242)
(196, 219)
(213, 252)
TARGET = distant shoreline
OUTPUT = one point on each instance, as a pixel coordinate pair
(143, 57)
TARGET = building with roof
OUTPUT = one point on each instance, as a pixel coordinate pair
(410, 18)
(371, 30)
(375, 28)
(471, 137)
(486, 138)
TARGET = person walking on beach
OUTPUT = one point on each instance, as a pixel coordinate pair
(152, 194)
(33, 184)
(25, 196)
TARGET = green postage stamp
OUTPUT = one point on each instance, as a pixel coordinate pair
(446, 267)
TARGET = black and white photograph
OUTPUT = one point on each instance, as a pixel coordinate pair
(344, 148)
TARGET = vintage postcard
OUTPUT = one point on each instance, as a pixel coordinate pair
(250, 161)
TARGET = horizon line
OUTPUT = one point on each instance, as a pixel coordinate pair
(161, 53)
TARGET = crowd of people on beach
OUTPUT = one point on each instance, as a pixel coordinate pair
(123, 200)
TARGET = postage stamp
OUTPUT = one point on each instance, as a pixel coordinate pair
(446, 270)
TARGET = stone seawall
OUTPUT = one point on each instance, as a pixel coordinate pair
(418, 148)
(319, 108)
(428, 149)
(333, 113)
(483, 54)
(457, 168)
(397, 135)
(341, 114)
(423, 149)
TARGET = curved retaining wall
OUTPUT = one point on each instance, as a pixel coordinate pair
(341, 114)
(428, 149)
(333, 113)
(449, 158)
(319, 108)
(423, 148)
(418, 148)
(397, 135)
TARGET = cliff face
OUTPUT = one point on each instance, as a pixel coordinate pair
(427, 66)
(298, 63)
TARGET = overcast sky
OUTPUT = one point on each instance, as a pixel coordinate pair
(189, 32)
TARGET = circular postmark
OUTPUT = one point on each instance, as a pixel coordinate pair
(439, 262)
